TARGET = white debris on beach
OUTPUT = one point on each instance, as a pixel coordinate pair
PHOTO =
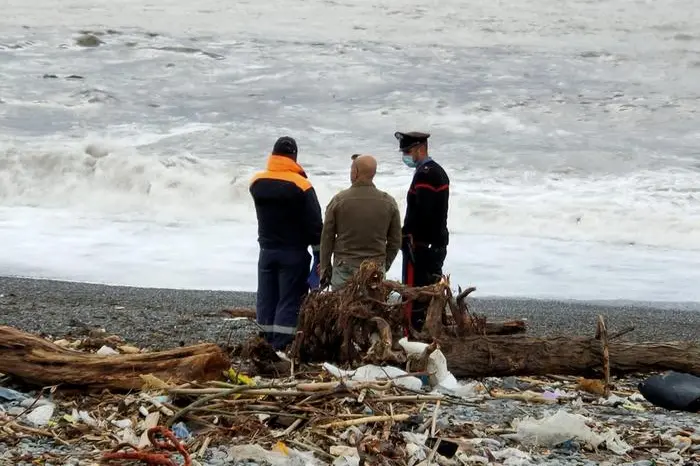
(381, 415)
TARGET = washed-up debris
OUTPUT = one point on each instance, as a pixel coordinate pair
(397, 401)
(563, 426)
(372, 415)
(361, 322)
(673, 391)
(42, 362)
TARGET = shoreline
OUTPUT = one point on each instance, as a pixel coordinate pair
(692, 306)
(161, 318)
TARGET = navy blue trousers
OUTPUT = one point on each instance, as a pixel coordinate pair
(282, 285)
(426, 270)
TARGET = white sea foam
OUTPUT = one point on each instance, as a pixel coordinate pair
(648, 208)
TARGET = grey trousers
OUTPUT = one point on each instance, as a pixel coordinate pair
(342, 272)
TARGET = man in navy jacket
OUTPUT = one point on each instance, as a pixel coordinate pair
(289, 221)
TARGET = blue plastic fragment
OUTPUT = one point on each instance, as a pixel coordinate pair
(7, 394)
(180, 430)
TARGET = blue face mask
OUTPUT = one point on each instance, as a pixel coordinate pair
(408, 161)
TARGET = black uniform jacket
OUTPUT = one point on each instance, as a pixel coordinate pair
(427, 205)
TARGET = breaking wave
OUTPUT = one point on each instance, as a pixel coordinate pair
(646, 208)
(119, 180)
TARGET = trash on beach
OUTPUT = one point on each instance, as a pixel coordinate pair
(594, 386)
(280, 456)
(372, 373)
(7, 394)
(368, 398)
(556, 429)
(106, 351)
(41, 415)
(673, 391)
(440, 378)
(181, 431)
(341, 417)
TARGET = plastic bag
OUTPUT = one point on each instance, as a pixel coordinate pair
(673, 391)
(441, 379)
(41, 416)
(7, 394)
(371, 372)
(562, 426)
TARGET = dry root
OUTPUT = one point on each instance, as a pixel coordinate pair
(361, 323)
(263, 358)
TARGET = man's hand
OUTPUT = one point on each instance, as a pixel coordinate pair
(314, 274)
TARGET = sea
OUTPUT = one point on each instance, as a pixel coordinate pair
(570, 131)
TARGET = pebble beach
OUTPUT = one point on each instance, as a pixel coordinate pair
(162, 318)
(165, 318)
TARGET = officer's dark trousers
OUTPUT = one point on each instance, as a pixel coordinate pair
(426, 270)
(282, 284)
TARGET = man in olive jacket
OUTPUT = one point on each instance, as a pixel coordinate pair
(361, 223)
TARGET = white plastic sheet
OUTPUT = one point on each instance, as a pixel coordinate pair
(562, 426)
(371, 373)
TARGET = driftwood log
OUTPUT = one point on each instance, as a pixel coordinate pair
(39, 362)
(354, 326)
(484, 356)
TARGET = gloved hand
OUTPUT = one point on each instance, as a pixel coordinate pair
(314, 279)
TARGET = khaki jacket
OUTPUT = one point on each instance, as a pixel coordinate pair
(361, 223)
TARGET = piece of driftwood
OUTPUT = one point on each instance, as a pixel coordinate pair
(350, 326)
(498, 356)
(508, 327)
(39, 362)
(343, 325)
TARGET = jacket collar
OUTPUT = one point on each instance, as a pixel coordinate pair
(280, 163)
(423, 162)
(362, 183)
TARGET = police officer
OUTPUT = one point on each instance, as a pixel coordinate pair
(424, 233)
(289, 221)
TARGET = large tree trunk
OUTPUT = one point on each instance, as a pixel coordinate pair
(38, 361)
(484, 356)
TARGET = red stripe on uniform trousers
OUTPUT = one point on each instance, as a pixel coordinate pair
(431, 187)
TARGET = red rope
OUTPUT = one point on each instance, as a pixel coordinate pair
(149, 457)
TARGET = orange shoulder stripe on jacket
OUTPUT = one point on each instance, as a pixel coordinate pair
(298, 180)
